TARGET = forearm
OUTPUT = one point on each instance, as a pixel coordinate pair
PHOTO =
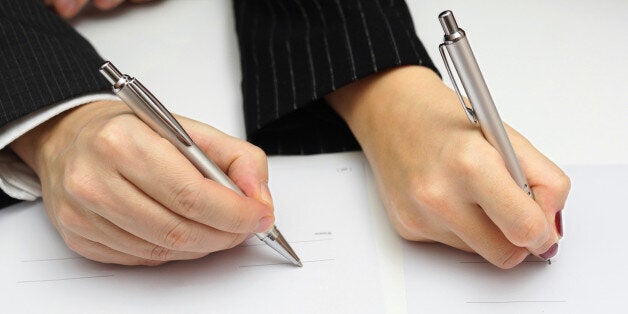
(371, 106)
(294, 53)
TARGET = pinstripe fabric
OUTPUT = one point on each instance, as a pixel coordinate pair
(294, 52)
(43, 60)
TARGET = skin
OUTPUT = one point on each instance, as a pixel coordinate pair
(113, 200)
(440, 180)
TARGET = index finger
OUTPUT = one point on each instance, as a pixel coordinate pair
(156, 167)
(520, 219)
(549, 183)
(243, 162)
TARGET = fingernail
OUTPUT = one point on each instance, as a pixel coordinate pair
(558, 220)
(551, 252)
(264, 224)
(265, 193)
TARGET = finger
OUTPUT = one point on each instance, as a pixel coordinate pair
(413, 226)
(442, 236)
(93, 227)
(69, 8)
(473, 226)
(168, 177)
(129, 208)
(107, 4)
(243, 162)
(520, 219)
(98, 252)
(462, 226)
(549, 183)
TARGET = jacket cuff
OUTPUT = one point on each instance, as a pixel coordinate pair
(293, 53)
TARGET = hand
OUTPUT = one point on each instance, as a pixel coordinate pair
(70, 8)
(440, 180)
(117, 192)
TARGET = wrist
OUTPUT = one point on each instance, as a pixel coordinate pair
(376, 104)
(50, 138)
(29, 145)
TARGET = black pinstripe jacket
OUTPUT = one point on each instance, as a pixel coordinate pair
(293, 52)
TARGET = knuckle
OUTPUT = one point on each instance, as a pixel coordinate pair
(409, 226)
(112, 137)
(178, 237)
(245, 217)
(407, 220)
(411, 234)
(238, 222)
(187, 200)
(70, 219)
(528, 229)
(233, 240)
(258, 153)
(75, 245)
(471, 158)
(512, 258)
(159, 253)
(434, 198)
(468, 160)
(562, 183)
(79, 183)
(428, 200)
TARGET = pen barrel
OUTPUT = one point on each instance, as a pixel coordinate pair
(131, 94)
(485, 110)
(150, 110)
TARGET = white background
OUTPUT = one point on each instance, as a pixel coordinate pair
(556, 70)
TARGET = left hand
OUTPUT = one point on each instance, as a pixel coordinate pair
(70, 8)
(114, 200)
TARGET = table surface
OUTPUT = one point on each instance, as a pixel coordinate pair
(555, 69)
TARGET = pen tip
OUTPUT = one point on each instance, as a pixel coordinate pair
(275, 240)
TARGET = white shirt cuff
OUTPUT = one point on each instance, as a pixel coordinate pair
(16, 179)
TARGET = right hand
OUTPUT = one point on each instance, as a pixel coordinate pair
(439, 178)
(119, 193)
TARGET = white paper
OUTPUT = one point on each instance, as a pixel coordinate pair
(321, 208)
(588, 276)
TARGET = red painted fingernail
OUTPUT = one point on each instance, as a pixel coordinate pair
(558, 220)
(551, 252)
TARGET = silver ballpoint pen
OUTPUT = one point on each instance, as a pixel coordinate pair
(157, 117)
(482, 110)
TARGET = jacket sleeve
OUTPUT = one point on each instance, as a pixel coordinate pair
(294, 52)
(43, 60)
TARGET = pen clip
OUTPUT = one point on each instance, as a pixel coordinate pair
(468, 110)
(155, 106)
